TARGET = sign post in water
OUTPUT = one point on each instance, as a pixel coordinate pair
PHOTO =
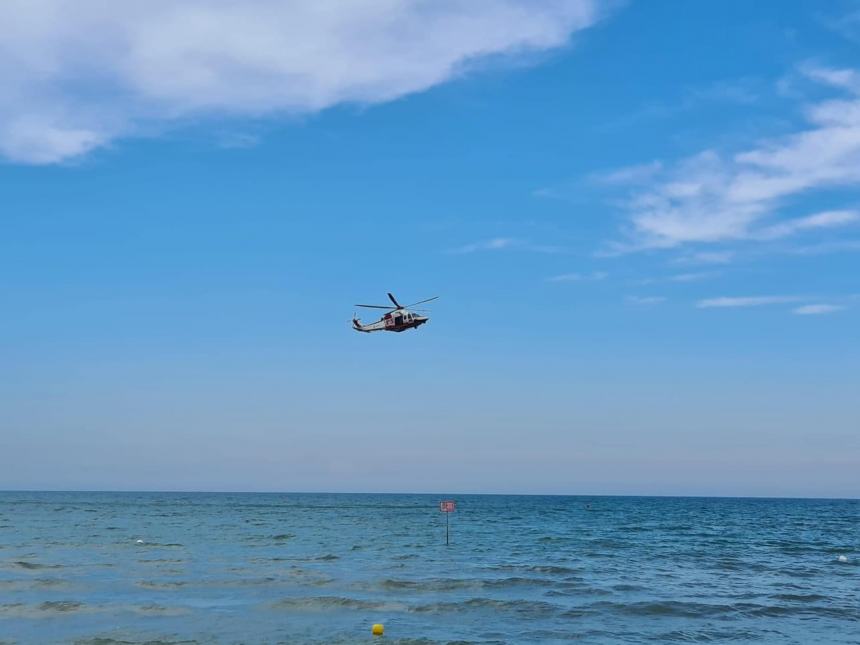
(448, 506)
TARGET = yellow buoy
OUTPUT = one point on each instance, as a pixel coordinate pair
(377, 629)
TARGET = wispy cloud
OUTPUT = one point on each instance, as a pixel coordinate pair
(706, 257)
(821, 248)
(745, 301)
(738, 91)
(692, 277)
(636, 174)
(579, 277)
(645, 301)
(817, 310)
(237, 140)
(711, 197)
(846, 79)
(494, 244)
(504, 243)
(826, 219)
(679, 277)
(846, 25)
(75, 79)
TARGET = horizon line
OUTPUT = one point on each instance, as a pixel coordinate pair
(450, 494)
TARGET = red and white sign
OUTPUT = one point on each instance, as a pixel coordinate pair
(448, 506)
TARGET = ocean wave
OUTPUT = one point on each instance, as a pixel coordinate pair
(154, 609)
(675, 608)
(628, 587)
(577, 590)
(425, 585)
(12, 609)
(267, 539)
(22, 610)
(107, 640)
(324, 603)
(309, 577)
(522, 607)
(167, 584)
(63, 606)
(31, 583)
(851, 613)
(681, 609)
(35, 566)
(454, 584)
(796, 597)
(552, 569)
(740, 565)
(706, 635)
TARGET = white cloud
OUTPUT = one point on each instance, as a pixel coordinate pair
(711, 197)
(630, 175)
(706, 257)
(77, 74)
(504, 243)
(747, 301)
(494, 244)
(691, 277)
(679, 277)
(578, 277)
(37, 139)
(826, 219)
(838, 246)
(237, 140)
(817, 310)
(847, 79)
(846, 25)
(645, 300)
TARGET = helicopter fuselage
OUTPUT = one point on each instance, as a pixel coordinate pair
(398, 320)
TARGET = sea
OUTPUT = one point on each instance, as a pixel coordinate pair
(158, 568)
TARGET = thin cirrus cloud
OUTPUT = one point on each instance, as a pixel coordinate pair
(825, 219)
(692, 277)
(579, 277)
(493, 244)
(630, 175)
(680, 278)
(79, 75)
(645, 301)
(705, 257)
(744, 301)
(711, 197)
(503, 243)
(817, 309)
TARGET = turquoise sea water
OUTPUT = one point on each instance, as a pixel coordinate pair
(104, 568)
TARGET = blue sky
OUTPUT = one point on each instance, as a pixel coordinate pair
(642, 218)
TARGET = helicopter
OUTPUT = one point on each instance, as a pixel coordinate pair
(398, 318)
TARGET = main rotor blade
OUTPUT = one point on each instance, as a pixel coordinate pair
(422, 301)
(394, 300)
(375, 306)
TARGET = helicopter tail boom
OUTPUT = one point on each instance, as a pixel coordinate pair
(357, 326)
